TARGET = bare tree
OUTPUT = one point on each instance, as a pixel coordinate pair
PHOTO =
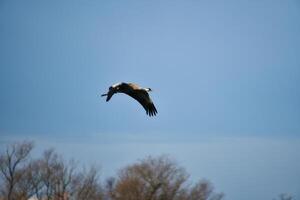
(30, 183)
(87, 185)
(285, 196)
(12, 167)
(61, 180)
(203, 190)
(150, 179)
(56, 176)
(157, 179)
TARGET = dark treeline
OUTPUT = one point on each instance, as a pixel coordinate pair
(50, 177)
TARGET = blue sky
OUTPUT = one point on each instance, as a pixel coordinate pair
(224, 71)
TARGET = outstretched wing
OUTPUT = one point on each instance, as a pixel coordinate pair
(144, 99)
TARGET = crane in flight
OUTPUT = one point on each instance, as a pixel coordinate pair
(138, 93)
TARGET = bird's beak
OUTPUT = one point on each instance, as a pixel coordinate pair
(103, 95)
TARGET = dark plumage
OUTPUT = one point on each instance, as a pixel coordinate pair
(136, 92)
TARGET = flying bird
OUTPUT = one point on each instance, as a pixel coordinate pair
(136, 92)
